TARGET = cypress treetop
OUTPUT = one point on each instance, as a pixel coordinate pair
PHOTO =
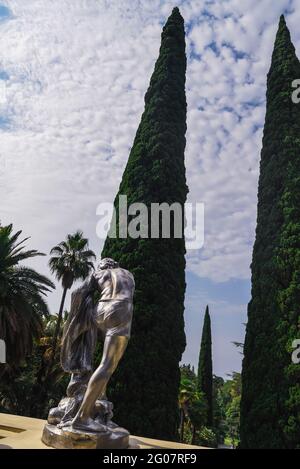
(205, 373)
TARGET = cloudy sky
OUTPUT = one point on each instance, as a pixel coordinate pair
(73, 74)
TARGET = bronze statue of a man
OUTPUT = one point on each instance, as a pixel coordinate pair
(104, 303)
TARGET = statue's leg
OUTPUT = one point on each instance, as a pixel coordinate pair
(114, 348)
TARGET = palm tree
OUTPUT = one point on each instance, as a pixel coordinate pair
(192, 405)
(32, 390)
(187, 391)
(71, 261)
(22, 291)
(197, 413)
(46, 343)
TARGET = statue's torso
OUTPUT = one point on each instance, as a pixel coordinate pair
(114, 284)
(113, 311)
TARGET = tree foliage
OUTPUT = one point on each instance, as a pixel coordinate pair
(270, 406)
(193, 406)
(146, 384)
(71, 260)
(31, 389)
(205, 375)
(229, 399)
(22, 297)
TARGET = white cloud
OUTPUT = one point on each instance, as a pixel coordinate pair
(77, 75)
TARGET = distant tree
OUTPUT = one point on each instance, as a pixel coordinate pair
(240, 346)
(218, 410)
(197, 413)
(28, 389)
(205, 375)
(22, 297)
(192, 404)
(233, 420)
(187, 371)
(187, 392)
(229, 396)
(71, 260)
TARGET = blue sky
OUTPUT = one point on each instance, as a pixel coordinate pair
(72, 81)
(227, 302)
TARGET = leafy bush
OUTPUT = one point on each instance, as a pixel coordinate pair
(206, 437)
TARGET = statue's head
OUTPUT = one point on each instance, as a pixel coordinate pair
(107, 263)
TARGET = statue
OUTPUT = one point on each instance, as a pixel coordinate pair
(104, 303)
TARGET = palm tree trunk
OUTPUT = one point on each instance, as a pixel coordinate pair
(57, 327)
(43, 391)
(194, 435)
(181, 425)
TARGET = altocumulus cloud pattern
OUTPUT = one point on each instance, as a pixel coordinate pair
(75, 74)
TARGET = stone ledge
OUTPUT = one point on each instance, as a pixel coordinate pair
(18, 432)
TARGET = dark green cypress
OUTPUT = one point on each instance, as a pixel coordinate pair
(146, 384)
(270, 406)
(205, 373)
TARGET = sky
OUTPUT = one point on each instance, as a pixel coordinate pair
(73, 75)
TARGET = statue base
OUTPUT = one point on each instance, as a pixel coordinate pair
(71, 438)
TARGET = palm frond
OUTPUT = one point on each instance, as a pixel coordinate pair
(71, 259)
(21, 296)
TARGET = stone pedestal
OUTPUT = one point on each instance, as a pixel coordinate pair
(18, 432)
(60, 433)
(71, 438)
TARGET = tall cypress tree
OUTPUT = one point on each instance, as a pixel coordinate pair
(146, 384)
(270, 406)
(205, 374)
